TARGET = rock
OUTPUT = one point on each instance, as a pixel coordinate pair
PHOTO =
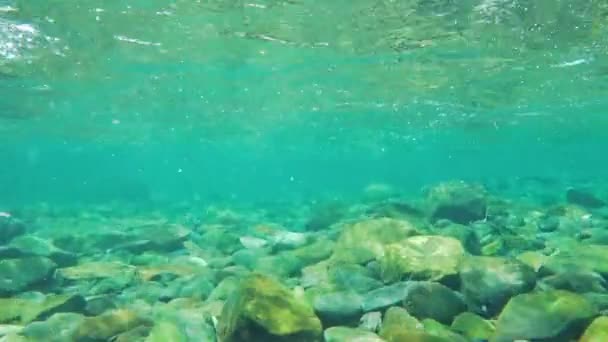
(248, 257)
(97, 270)
(384, 297)
(557, 315)
(465, 234)
(433, 300)
(584, 199)
(283, 265)
(16, 275)
(597, 331)
(488, 282)
(107, 325)
(338, 308)
(283, 240)
(473, 327)
(371, 321)
(8, 329)
(10, 228)
(60, 327)
(349, 277)
(397, 322)
(434, 258)
(164, 331)
(315, 275)
(251, 242)
(139, 333)
(533, 259)
(458, 202)
(25, 310)
(263, 309)
(579, 281)
(224, 289)
(29, 245)
(7, 252)
(577, 256)
(344, 334)
(314, 252)
(548, 224)
(366, 240)
(440, 331)
(97, 305)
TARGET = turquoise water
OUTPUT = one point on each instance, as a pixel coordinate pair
(243, 97)
(179, 143)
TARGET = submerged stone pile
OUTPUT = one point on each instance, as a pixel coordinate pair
(458, 265)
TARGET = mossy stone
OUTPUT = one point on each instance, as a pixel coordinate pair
(422, 258)
(597, 331)
(553, 314)
(473, 327)
(262, 309)
(398, 321)
(366, 240)
(346, 334)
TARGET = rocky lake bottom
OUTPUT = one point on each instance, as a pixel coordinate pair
(459, 262)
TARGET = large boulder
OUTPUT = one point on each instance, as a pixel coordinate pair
(458, 202)
(489, 282)
(262, 309)
(554, 315)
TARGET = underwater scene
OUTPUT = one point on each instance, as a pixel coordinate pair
(304, 170)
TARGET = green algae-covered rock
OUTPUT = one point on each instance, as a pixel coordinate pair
(434, 328)
(29, 245)
(398, 321)
(458, 202)
(282, 265)
(554, 314)
(579, 256)
(489, 282)
(345, 334)
(17, 275)
(433, 300)
(422, 258)
(25, 310)
(107, 325)
(164, 331)
(60, 327)
(365, 240)
(597, 331)
(314, 252)
(262, 309)
(97, 270)
(473, 327)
